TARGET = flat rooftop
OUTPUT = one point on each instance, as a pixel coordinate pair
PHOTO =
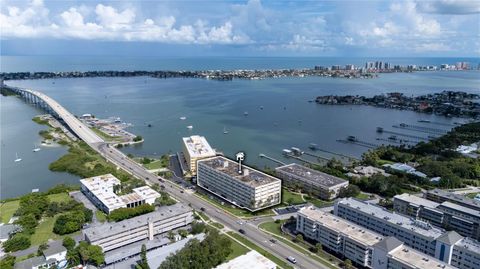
(416, 226)
(146, 192)
(456, 197)
(102, 187)
(416, 259)
(198, 146)
(312, 176)
(342, 226)
(249, 176)
(470, 244)
(251, 259)
(416, 200)
(460, 208)
(110, 229)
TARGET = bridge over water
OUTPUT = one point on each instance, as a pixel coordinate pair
(119, 159)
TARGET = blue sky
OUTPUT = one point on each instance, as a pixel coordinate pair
(242, 28)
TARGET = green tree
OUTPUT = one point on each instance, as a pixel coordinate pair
(349, 191)
(347, 264)
(73, 257)
(17, 242)
(171, 235)
(143, 262)
(28, 222)
(182, 233)
(68, 242)
(7, 262)
(41, 249)
(197, 227)
(298, 238)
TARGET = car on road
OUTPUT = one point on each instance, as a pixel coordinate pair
(273, 241)
(181, 191)
(202, 208)
(242, 231)
(291, 259)
(240, 222)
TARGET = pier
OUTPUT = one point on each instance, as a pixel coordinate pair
(437, 123)
(381, 130)
(261, 155)
(420, 129)
(353, 140)
(314, 148)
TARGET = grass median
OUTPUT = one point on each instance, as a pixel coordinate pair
(322, 257)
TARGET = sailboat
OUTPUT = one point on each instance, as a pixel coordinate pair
(225, 130)
(17, 159)
(35, 148)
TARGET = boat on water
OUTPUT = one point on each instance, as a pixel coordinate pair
(245, 113)
(312, 146)
(225, 130)
(36, 149)
(261, 107)
(17, 159)
(424, 121)
(183, 118)
(190, 127)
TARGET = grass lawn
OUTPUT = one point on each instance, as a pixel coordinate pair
(8, 209)
(237, 249)
(280, 262)
(59, 197)
(363, 196)
(217, 225)
(382, 162)
(235, 210)
(472, 195)
(44, 231)
(100, 216)
(289, 197)
(274, 228)
(317, 202)
(157, 164)
(204, 217)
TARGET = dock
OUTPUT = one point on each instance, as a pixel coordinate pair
(420, 129)
(353, 140)
(381, 130)
(314, 147)
(261, 155)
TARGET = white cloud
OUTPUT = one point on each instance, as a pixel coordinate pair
(110, 23)
(111, 18)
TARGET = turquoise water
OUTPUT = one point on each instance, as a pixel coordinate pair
(287, 118)
(125, 62)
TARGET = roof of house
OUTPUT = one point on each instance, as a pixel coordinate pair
(30, 263)
(54, 248)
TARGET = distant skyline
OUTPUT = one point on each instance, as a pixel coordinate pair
(404, 28)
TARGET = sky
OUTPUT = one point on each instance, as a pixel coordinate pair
(402, 28)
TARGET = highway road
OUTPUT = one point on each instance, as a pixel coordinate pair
(119, 159)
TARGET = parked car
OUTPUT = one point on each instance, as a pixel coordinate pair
(242, 231)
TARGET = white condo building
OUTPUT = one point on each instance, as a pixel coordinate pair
(464, 220)
(102, 191)
(320, 184)
(110, 236)
(252, 189)
(196, 148)
(449, 247)
(360, 245)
